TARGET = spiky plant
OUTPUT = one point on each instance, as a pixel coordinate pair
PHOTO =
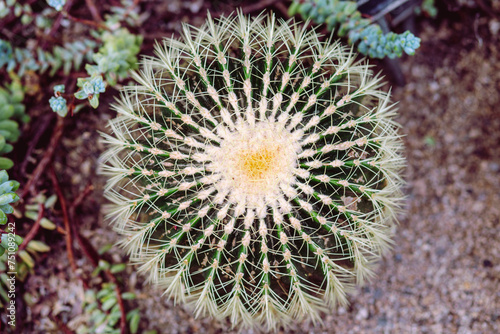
(254, 170)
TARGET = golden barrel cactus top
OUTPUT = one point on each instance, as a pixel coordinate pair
(253, 170)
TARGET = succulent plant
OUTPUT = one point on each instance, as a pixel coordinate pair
(66, 57)
(7, 196)
(116, 56)
(344, 15)
(254, 170)
(57, 4)
(12, 110)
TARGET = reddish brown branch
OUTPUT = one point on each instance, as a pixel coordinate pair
(67, 224)
(62, 326)
(87, 249)
(87, 22)
(34, 229)
(79, 199)
(65, 12)
(47, 157)
(93, 256)
(123, 319)
(60, 230)
(57, 22)
(130, 8)
(84, 243)
(93, 10)
(43, 123)
(487, 9)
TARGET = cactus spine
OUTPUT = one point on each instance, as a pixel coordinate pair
(253, 171)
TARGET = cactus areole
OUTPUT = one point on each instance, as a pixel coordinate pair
(254, 170)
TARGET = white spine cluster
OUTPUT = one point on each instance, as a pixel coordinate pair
(254, 170)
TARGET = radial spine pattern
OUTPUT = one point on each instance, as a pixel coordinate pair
(253, 170)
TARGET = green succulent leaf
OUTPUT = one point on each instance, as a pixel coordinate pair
(38, 246)
(3, 218)
(4, 177)
(27, 259)
(9, 186)
(81, 95)
(94, 101)
(134, 321)
(116, 268)
(6, 163)
(108, 304)
(6, 208)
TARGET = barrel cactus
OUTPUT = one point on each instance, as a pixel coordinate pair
(254, 170)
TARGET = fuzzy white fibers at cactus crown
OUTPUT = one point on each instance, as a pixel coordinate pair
(254, 170)
(254, 163)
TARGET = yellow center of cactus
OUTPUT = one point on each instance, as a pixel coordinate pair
(254, 163)
(257, 164)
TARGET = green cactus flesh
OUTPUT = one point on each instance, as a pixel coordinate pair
(254, 170)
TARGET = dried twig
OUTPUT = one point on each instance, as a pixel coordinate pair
(84, 244)
(486, 8)
(93, 256)
(93, 10)
(34, 229)
(42, 166)
(94, 24)
(87, 249)
(130, 8)
(79, 199)
(67, 224)
(58, 20)
(61, 325)
(123, 318)
(42, 126)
